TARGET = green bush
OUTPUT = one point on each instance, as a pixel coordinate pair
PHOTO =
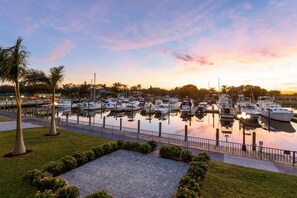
(68, 192)
(186, 155)
(45, 194)
(120, 143)
(145, 148)
(49, 182)
(33, 174)
(133, 146)
(115, 146)
(99, 151)
(172, 152)
(185, 193)
(99, 194)
(153, 144)
(80, 157)
(107, 148)
(90, 155)
(55, 168)
(197, 173)
(190, 184)
(69, 163)
(202, 157)
(201, 164)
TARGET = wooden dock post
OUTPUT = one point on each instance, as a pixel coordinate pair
(138, 125)
(254, 141)
(103, 121)
(121, 122)
(217, 137)
(186, 132)
(160, 129)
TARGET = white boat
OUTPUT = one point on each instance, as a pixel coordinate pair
(186, 105)
(204, 105)
(64, 104)
(274, 111)
(90, 106)
(246, 106)
(161, 109)
(132, 106)
(225, 106)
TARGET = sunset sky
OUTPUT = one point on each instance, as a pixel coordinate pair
(163, 43)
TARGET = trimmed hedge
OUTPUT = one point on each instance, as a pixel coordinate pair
(99, 194)
(171, 152)
(192, 182)
(49, 185)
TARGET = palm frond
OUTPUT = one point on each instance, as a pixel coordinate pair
(56, 75)
(35, 76)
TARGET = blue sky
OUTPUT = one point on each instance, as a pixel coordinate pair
(163, 43)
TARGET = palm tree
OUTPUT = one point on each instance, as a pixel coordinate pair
(55, 76)
(13, 62)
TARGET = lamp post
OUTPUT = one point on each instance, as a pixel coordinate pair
(243, 116)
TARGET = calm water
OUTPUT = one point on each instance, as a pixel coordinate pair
(282, 135)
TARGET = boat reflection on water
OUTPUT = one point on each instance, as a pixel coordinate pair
(131, 115)
(161, 116)
(200, 117)
(276, 126)
(116, 114)
(227, 125)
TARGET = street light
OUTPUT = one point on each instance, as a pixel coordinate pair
(243, 116)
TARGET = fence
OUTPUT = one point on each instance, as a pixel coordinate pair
(253, 151)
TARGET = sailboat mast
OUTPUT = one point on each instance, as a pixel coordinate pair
(94, 87)
(91, 89)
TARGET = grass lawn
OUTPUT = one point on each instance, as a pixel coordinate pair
(4, 119)
(224, 180)
(45, 149)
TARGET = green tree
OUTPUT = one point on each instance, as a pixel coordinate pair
(55, 76)
(13, 63)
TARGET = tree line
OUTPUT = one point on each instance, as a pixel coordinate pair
(72, 90)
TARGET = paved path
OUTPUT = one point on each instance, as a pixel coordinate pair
(129, 174)
(11, 125)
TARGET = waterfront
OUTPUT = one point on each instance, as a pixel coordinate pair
(281, 135)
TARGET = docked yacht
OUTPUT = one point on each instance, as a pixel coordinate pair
(246, 106)
(203, 105)
(132, 106)
(64, 104)
(90, 106)
(161, 109)
(274, 111)
(186, 105)
(225, 106)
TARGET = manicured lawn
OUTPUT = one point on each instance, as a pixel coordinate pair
(45, 149)
(4, 119)
(224, 180)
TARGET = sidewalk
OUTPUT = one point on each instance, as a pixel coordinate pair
(221, 157)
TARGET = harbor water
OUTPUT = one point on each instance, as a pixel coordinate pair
(280, 135)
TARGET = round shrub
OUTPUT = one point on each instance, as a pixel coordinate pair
(196, 173)
(186, 155)
(205, 155)
(32, 174)
(131, 145)
(120, 143)
(80, 157)
(55, 168)
(153, 144)
(145, 148)
(98, 151)
(200, 158)
(107, 148)
(90, 155)
(185, 193)
(69, 163)
(68, 192)
(99, 194)
(201, 164)
(115, 146)
(45, 194)
(49, 182)
(172, 152)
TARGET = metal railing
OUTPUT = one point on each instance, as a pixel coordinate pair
(253, 151)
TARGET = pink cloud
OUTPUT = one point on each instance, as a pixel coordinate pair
(202, 60)
(58, 52)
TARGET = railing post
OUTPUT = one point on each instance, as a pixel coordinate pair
(254, 141)
(77, 118)
(294, 155)
(260, 148)
(90, 121)
(186, 132)
(103, 121)
(66, 117)
(121, 124)
(160, 129)
(217, 137)
(138, 125)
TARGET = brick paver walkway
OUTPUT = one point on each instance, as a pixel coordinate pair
(129, 174)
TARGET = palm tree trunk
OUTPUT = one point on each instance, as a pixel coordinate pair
(53, 130)
(19, 146)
